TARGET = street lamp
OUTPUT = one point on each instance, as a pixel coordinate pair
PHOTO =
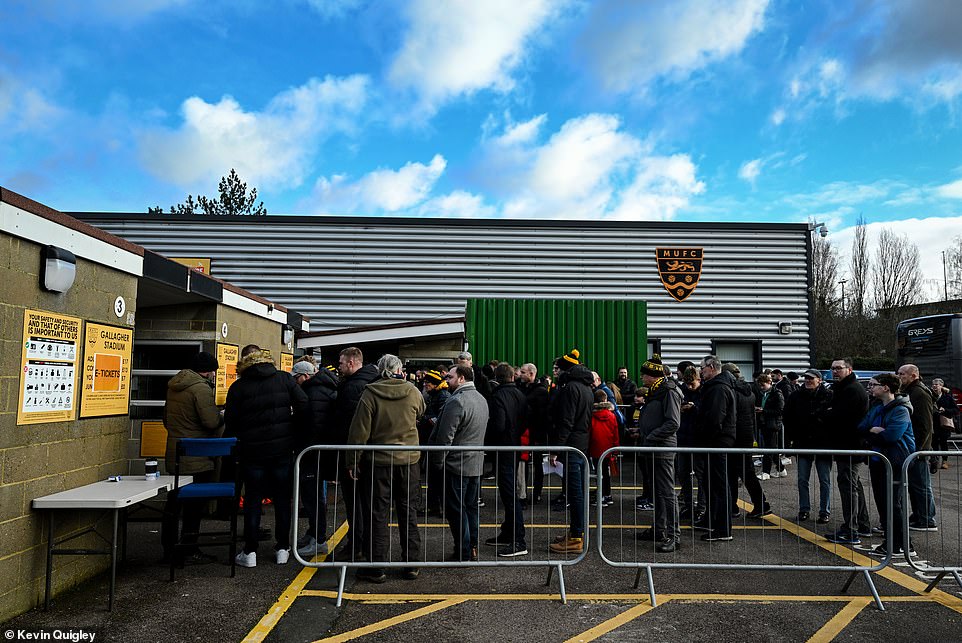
(843, 282)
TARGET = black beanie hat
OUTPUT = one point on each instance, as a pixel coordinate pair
(204, 363)
(653, 367)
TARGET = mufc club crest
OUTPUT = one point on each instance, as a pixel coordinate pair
(679, 269)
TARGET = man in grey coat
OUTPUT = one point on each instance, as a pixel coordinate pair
(657, 426)
(462, 423)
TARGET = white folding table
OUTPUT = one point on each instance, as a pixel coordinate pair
(107, 495)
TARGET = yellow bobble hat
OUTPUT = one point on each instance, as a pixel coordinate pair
(653, 367)
(434, 377)
(573, 356)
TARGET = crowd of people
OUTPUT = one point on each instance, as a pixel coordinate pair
(470, 409)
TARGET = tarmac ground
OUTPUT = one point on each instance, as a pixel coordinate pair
(485, 603)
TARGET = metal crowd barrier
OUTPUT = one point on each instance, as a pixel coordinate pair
(540, 518)
(774, 542)
(938, 536)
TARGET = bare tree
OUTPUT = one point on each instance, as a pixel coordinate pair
(858, 267)
(897, 276)
(953, 269)
(825, 273)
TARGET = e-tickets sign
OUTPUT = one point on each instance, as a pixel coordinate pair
(227, 356)
(48, 367)
(106, 370)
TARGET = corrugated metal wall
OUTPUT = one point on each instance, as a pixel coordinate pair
(539, 330)
(343, 271)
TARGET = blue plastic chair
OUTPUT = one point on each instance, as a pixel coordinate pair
(204, 491)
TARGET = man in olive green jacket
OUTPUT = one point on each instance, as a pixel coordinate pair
(387, 414)
(190, 412)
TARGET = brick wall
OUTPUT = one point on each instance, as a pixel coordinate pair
(37, 460)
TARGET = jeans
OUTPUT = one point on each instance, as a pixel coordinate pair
(269, 479)
(314, 497)
(691, 473)
(879, 484)
(574, 489)
(772, 439)
(920, 493)
(853, 496)
(461, 510)
(603, 469)
(513, 525)
(823, 466)
(380, 485)
(741, 466)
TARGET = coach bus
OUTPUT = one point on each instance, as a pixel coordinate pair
(934, 344)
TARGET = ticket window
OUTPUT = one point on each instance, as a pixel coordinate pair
(154, 363)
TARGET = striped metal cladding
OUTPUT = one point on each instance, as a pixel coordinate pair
(346, 272)
(539, 330)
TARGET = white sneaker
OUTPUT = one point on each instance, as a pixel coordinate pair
(281, 556)
(786, 460)
(246, 560)
(311, 548)
(763, 476)
(780, 474)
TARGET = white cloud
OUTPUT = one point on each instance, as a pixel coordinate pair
(778, 117)
(25, 109)
(521, 133)
(631, 44)
(333, 8)
(591, 168)
(951, 190)
(272, 147)
(464, 46)
(750, 170)
(457, 204)
(380, 191)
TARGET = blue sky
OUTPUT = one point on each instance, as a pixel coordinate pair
(748, 110)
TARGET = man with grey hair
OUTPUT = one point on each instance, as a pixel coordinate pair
(387, 413)
(919, 481)
(715, 428)
(481, 382)
(462, 423)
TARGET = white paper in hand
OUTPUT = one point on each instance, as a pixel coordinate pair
(549, 468)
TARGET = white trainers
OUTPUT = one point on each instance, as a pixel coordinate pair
(246, 560)
(281, 556)
(786, 460)
(780, 474)
(763, 476)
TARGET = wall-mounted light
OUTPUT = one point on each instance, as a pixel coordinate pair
(785, 328)
(270, 309)
(287, 334)
(58, 268)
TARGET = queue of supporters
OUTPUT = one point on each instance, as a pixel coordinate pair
(275, 415)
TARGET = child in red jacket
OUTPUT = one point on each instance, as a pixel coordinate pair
(604, 435)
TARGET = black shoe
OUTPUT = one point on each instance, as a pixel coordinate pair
(536, 500)
(765, 511)
(736, 514)
(497, 541)
(410, 573)
(515, 549)
(712, 537)
(701, 525)
(684, 514)
(802, 516)
(480, 502)
(646, 534)
(372, 575)
(667, 546)
(823, 519)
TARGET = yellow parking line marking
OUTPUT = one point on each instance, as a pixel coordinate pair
(386, 623)
(840, 621)
(290, 593)
(563, 525)
(614, 623)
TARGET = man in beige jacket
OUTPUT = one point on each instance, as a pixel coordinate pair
(387, 414)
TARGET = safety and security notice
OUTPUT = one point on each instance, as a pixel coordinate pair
(48, 367)
(106, 370)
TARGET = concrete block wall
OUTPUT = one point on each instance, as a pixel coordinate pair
(40, 459)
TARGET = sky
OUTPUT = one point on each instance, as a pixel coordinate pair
(684, 110)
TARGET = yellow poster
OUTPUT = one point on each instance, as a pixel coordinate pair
(153, 440)
(287, 362)
(48, 368)
(200, 264)
(106, 370)
(227, 355)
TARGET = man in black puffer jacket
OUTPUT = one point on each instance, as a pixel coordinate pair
(571, 411)
(741, 466)
(715, 428)
(355, 375)
(506, 411)
(320, 385)
(848, 406)
(264, 409)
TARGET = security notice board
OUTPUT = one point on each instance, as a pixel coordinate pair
(106, 370)
(48, 367)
